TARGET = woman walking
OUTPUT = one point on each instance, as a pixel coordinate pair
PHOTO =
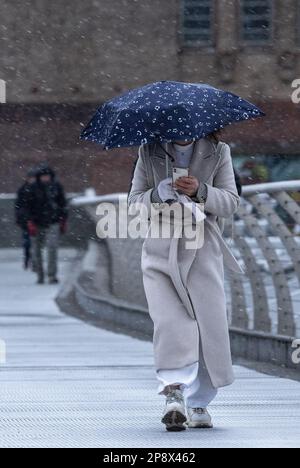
(175, 124)
(185, 287)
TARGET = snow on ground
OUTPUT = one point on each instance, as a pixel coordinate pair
(68, 384)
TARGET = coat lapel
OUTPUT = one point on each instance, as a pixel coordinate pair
(204, 160)
(158, 158)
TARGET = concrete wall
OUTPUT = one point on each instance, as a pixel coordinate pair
(45, 132)
(74, 51)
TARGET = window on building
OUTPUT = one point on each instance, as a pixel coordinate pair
(256, 21)
(197, 22)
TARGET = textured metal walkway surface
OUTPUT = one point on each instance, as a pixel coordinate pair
(67, 384)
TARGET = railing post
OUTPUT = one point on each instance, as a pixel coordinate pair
(286, 323)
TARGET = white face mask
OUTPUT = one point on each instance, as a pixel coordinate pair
(183, 146)
(183, 154)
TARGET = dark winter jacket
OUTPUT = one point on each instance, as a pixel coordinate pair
(46, 203)
(21, 206)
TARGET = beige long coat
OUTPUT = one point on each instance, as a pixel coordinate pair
(185, 288)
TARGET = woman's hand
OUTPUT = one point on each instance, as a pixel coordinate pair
(188, 185)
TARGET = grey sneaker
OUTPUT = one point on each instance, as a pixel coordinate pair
(174, 416)
(199, 418)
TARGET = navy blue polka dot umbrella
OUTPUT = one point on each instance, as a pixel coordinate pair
(166, 111)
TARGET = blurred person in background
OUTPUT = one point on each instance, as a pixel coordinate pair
(254, 172)
(21, 215)
(47, 216)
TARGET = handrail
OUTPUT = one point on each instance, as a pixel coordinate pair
(91, 200)
(13, 196)
(248, 190)
(271, 187)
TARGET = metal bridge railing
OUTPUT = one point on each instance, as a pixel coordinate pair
(267, 299)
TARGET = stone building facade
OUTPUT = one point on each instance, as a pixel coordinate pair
(61, 59)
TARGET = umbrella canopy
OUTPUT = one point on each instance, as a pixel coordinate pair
(166, 111)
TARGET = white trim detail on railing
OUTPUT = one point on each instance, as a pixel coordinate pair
(272, 187)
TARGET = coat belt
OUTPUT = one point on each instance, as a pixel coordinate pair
(229, 259)
(174, 269)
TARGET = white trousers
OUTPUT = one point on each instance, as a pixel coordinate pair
(194, 381)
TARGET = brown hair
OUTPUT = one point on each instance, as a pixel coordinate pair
(215, 137)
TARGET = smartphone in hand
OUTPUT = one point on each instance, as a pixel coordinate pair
(179, 172)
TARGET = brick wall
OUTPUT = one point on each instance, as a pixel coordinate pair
(31, 134)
